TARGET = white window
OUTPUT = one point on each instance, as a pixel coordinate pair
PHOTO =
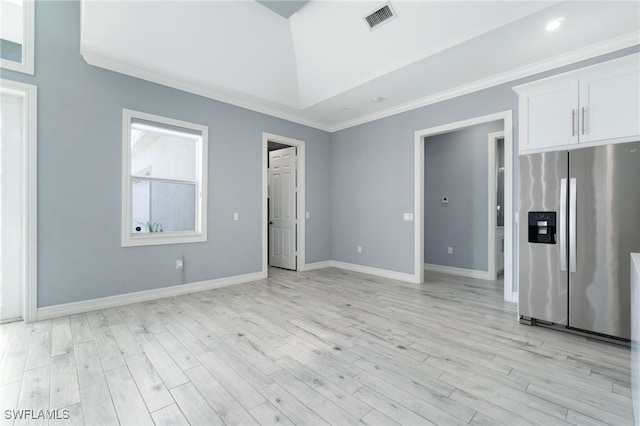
(164, 180)
(17, 35)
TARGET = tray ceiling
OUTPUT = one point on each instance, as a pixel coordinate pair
(324, 67)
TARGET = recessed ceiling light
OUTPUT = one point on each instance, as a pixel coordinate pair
(554, 24)
(379, 99)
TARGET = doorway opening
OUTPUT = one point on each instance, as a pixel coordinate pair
(17, 202)
(283, 207)
(510, 289)
(496, 205)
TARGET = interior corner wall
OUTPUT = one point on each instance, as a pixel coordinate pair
(372, 181)
(79, 175)
(456, 167)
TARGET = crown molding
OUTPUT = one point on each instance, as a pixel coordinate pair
(578, 55)
(91, 56)
(101, 61)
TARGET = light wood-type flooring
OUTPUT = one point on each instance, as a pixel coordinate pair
(321, 347)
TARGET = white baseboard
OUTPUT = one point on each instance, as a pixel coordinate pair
(317, 265)
(142, 296)
(470, 273)
(385, 273)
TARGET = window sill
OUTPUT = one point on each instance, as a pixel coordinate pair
(168, 238)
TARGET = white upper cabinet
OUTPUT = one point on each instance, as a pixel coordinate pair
(610, 104)
(594, 105)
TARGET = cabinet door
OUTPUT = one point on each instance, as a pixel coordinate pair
(610, 104)
(550, 118)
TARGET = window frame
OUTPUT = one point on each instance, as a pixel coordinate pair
(130, 239)
(28, 38)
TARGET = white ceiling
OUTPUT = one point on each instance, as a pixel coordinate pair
(323, 66)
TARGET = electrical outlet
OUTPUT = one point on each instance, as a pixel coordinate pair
(359, 249)
(179, 263)
(236, 217)
(449, 250)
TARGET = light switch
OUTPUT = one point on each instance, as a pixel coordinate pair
(407, 217)
(236, 216)
(308, 215)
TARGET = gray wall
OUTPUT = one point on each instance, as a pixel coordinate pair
(456, 166)
(373, 173)
(79, 174)
(359, 180)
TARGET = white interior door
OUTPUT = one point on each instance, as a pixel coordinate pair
(12, 214)
(282, 208)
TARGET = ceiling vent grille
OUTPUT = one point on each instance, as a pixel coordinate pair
(380, 15)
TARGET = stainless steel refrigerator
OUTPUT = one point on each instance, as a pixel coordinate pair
(579, 221)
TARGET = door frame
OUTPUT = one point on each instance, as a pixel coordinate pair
(510, 263)
(493, 199)
(29, 95)
(300, 199)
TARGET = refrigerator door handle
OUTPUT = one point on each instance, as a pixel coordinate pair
(562, 231)
(572, 225)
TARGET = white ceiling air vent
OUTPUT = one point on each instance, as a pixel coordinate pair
(379, 16)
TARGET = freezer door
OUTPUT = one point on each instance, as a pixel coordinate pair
(606, 230)
(543, 285)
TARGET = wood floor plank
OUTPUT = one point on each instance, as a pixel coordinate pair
(326, 388)
(34, 395)
(39, 352)
(127, 401)
(290, 406)
(97, 405)
(166, 367)
(97, 322)
(248, 371)
(438, 409)
(169, 416)
(178, 352)
(65, 390)
(325, 346)
(125, 339)
(68, 416)
(375, 418)
(108, 350)
(15, 357)
(390, 408)
(61, 339)
(322, 406)
(80, 328)
(151, 387)
(267, 414)
(232, 381)
(194, 407)
(90, 371)
(223, 403)
(9, 394)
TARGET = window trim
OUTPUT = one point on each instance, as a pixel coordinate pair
(28, 37)
(147, 239)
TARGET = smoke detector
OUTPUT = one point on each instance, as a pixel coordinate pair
(380, 15)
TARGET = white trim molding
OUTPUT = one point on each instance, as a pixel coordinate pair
(300, 203)
(29, 94)
(143, 296)
(385, 273)
(569, 58)
(317, 265)
(510, 264)
(28, 42)
(463, 272)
